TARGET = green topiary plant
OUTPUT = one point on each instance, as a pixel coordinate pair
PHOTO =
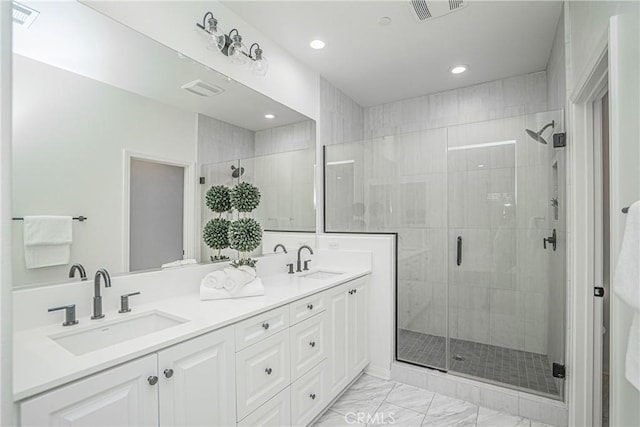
(245, 197)
(245, 235)
(218, 199)
(216, 236)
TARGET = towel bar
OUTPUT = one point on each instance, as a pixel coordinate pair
(77, 218)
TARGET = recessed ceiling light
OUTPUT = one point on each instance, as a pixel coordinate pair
(384, 21)
(459, 69)
(317, 44)
(269, 116)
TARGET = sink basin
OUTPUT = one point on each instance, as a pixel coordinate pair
(114, 332)
(320, 275)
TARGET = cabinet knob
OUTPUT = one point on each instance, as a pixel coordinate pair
(351, 292)
(310, 306)
(152, 380)
(265, 326)
(268, 371)
(168, 373)
(312, 396)
(312, 343)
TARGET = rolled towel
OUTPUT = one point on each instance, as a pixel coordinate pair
(213, 280)
(237, 278)
(251, 289)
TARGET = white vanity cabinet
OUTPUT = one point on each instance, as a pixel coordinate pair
(347, 329)
(120, 396)
(191, 383)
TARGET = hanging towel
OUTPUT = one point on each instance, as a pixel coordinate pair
(47, 240)
(251, 289)
(626, 284)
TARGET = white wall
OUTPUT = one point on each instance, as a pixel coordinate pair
(70, 133)
(7, 407)
(173, 24)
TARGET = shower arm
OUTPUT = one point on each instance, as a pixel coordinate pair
(552, 124)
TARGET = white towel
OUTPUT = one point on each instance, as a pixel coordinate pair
(237, 278)
(626, 284)
(213, 280)
(251, 289)
(47, 240)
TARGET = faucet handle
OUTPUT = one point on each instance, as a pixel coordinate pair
(290, 268)
(306, 264)
(69, 314)
(124, 302)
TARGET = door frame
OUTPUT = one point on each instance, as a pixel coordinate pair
(583, 216)
(188, 211)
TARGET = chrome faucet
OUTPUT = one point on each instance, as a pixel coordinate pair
(279, 245)
(299, 269)
(97, 298)
(80, 269)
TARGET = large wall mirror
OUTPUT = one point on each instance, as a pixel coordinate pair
(114, 127)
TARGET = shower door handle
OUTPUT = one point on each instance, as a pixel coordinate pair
(459, 251)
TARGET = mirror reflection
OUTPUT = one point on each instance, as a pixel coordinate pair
(126, 150)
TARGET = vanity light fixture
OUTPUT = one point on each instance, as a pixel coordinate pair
(231, 45)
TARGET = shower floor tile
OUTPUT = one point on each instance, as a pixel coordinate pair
(504, 365)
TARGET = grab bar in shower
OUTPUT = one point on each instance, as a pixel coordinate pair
(459, 250)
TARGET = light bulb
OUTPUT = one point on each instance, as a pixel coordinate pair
(216, 37)
(237, 51)
(260, 64)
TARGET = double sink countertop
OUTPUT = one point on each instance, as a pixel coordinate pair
(40, 363)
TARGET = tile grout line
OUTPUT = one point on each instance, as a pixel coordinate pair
(395, 383)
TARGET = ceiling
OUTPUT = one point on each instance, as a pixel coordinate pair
(375, 64)
(74, 37)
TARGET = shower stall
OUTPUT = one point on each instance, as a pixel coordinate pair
(478, 209)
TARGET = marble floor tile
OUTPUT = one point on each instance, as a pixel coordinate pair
(364, 396)
(490, 418)
(334, 419)
(447, 411)
(410, 397)
(390, 414)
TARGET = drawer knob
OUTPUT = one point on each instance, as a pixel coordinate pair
(168, 373)
(310, 306)
(351, 292)
(268, 371)
(152, 380)
(312, 343)
(265, 326)
(312, 396)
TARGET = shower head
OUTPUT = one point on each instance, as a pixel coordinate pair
(236, 172)
(537, 136)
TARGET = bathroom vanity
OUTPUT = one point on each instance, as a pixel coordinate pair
(280, 359)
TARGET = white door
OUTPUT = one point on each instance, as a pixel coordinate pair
(122, 396)
(624, 76)
(357, 326)
(337, 338)
(197, 381)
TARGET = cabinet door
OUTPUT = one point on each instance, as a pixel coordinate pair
(121, 396)
(307, 345)
(308, 396)
(197, 383)
(337, 338)
(357, 327)
(275, 413)
(262, 371)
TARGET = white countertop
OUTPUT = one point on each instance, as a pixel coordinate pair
(41, 364)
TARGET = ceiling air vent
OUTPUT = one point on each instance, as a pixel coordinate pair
(24, 15)
(424, 10)
(202, 88)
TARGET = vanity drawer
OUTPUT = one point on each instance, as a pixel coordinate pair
(262, 370)
(308, 396)
(257, 328)
(306, 307)
(275, 413)
(307, 345)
